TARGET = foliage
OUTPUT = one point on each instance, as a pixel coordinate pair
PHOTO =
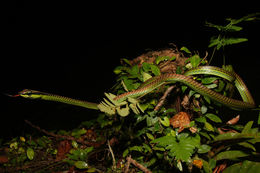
(223, 39)
(155, 141)
(148, 135)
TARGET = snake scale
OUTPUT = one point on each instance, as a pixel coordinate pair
(247, 101)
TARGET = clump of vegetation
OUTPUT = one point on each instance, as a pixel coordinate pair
(172, 128)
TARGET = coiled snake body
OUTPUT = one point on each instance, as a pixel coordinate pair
(247, 101)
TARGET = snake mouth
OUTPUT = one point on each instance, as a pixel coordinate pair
(12, 95)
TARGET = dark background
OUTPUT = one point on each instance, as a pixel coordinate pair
(72, 48)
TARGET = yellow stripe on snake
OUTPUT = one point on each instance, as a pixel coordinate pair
(247, 101)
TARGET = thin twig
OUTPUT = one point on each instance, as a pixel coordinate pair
(206, 55)
(112, 154)
(127, 164)
(212, 54)
(163, 98)
(138, 165)
(59, 136)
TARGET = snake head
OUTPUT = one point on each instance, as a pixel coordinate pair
(28, 93)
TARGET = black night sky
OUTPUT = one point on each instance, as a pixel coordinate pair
(72, 48)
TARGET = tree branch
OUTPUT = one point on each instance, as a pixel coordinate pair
(163, 98)
(138, 165)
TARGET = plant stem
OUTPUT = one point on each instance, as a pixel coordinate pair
(212, 54)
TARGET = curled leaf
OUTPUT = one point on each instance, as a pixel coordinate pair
(30, 153)
(81, 164)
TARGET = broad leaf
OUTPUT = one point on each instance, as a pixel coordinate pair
(247, 127)
(209, 127)
(81, 165)
(245, 167)
(233, 154)
(164, 141)
(204, 148)
(232, 136)
(213, 117)
(195, 60)
(185, 49)
(182, 150)
(229, 41)
(155, 70)
(208, 80)
(164, 58)
(165, 121)
(30, 153)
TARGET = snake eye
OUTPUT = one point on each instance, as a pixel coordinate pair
(25, 91)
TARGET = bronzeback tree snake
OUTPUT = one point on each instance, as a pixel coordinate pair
(247, 101)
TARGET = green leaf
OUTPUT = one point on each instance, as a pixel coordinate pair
(245, 167)
(247, 145)
(158, 148)
(164, 141)
(165, 121)
(147, 148)
(195, 60)
(211, 86)
(218, 27)
(92, 169)
(232, 154)
(78, 132)
(123, 111)
(30, 153)
(206, 166)
(146, 76)
(221, 86)
(233, 28)
(208, 80)
(134, 71)
(155, 70)
(247, 127)
(146, 66)
(125, 153)
(150, 136)
(164, 58)
(203, 109)
(207, 99)
(179, 165)
(204, 148)
(126, 61)
(88, 150)
(214, 41)
(185, 49)
(74, 144)
(258, 121)
(151, 121)
(201, 119)
(151, 162)
(178, 70)
(81, 164)
(209, 127)
(136, 148)
(213, 117)
(182, 150)
(230, 41)
(212, 163)
(119, 69)
(232, 136)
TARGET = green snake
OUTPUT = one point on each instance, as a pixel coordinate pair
(155, 82)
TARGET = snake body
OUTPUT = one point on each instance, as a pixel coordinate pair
(155, 82)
